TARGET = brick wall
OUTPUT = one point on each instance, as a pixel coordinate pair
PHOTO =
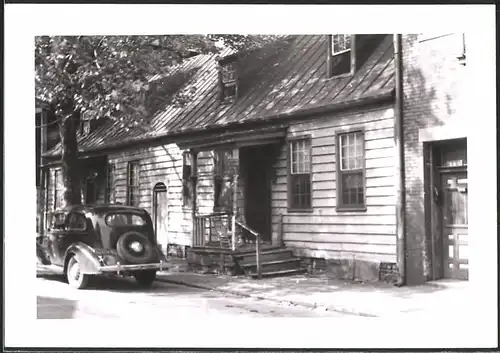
(433, 80)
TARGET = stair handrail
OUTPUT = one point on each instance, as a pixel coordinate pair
(257, 244)
(200, 233)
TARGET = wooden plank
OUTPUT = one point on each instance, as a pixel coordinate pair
(381, 191)
(341, 255)
(379, 163)
(340, 219)
(328, 229)
(379, 172)
(380, 143)
(340, 238)
(380, 153)
(380, 181)
(347, 247)
(280, 207)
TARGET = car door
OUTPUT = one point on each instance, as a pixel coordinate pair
(55, 232)
(72, 230)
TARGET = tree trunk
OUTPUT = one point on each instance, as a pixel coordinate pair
(69, 160)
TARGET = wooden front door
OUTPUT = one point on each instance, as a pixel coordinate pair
(258, 190)
(454, 222)
(161, 214)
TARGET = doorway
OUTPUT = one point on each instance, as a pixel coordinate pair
(257, 164)
(160, 204)
(448, 214)
(454, 221)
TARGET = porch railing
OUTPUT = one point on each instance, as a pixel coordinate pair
(205, 226)
(257, 244)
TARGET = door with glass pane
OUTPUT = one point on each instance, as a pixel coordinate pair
(455, 234)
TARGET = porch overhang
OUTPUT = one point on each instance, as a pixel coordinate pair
(236, 139)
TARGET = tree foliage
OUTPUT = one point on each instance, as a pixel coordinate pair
(109, 76)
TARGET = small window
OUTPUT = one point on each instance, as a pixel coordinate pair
(341, 57)
(133, 183)
(228, 81)
(124, 219)
(110, 183)
(341, 43)
(187, 174)
(351, 171)
(56, 219)
(58, 189)
(77, 221)
(300, 196)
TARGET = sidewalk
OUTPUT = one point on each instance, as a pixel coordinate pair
(375, 299)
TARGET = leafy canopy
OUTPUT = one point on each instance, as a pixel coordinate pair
(108, 76)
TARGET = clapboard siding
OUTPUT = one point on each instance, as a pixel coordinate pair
(367, 235)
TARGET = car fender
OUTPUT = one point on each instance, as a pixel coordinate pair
(86, 257)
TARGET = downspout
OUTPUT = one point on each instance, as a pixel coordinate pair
(400, 166)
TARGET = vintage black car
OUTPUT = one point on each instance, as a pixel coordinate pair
(86, 240)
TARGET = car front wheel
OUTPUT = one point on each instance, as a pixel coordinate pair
(75, 277)
(145, 278)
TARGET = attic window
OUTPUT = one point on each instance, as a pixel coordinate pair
(341, 56)
(341, 43)
(228, 81)
(85, 127)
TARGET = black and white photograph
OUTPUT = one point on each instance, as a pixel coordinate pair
(281, 184)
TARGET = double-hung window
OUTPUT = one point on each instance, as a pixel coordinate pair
(187, 174)
(58, 189)
(133, 178)
(110, 183)
(341, 43)
(299, 174)
(229, 83)
(351, 171)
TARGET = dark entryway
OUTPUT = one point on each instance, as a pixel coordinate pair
(448, 209)
(256, 164)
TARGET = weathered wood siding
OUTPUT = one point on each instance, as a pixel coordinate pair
(164, 164)
(324, 232)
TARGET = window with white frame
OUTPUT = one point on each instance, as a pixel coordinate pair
(341, 43)
(228, 78)
(299, 174)
(133, 179)
(351, 171)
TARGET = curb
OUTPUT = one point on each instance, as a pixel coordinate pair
(237, 293)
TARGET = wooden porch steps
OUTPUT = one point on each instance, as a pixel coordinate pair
(277, 261)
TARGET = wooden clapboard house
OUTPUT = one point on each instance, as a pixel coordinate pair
(291, 143)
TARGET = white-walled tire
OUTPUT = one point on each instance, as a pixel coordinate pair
(76, 279)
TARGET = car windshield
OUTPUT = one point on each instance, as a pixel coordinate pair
(124, 219)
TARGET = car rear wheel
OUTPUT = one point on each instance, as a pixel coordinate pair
(76, 278)
(145, 278)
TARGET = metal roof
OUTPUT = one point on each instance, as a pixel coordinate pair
(284, 77)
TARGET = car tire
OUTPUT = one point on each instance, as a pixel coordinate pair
(122, 247)
(75, 278)
(145, 278)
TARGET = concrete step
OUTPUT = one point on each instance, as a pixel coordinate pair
(276, 265)
(288, 272)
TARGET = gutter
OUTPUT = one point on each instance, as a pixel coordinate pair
(385, 96)
(400, 166)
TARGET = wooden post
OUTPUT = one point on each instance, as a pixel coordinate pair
(194, 178)
(257, 255)
(235, 206)
(280, 242)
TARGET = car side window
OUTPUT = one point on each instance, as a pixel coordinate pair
(76, 221)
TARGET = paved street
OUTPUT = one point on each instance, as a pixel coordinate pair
(122, 298)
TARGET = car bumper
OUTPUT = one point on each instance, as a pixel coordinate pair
(159, 266)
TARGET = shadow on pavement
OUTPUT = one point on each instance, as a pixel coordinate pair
(55, 308)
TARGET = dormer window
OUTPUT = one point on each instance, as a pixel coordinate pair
(341, 43)
(228, 81)
(85, 127)
(341, 55)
